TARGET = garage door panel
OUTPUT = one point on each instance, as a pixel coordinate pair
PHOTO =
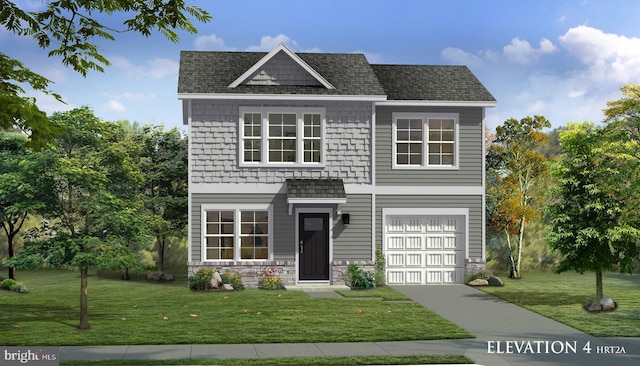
(424, 249)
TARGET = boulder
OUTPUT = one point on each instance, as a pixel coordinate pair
(227, 287)
(595, 307)
(495, 281)
(608, 304)
(216, 280)
(154, 276)
(167, 277)
(479, 282)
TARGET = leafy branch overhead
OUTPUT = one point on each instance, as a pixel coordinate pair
(70, 27)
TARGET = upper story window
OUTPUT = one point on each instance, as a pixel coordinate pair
(274, 136)
(425, 140)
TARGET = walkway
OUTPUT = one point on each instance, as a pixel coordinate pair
(494, 322)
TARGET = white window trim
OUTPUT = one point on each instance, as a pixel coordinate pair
(237, 209)
(425, 143)
(264, 136)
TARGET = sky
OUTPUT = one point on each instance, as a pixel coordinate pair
(560, 59)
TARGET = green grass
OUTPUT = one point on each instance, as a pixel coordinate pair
(302, 361)
(134, 312)
(560, 297)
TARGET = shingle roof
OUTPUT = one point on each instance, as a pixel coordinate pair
(212, 72)
(430, 82)
(315, 188)
(204, 72)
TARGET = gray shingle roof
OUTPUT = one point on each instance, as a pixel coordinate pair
(315, 188)
(429, 82)
(212, 72)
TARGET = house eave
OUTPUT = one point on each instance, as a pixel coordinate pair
(321, 97)
(436, 103)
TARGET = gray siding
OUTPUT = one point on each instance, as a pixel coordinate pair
(470, 150)
(352, 242)
(213, 136)
(473, 203)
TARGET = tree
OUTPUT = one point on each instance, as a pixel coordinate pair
(514, 169)
(587, 214)
(91, 177)
(70, 29)
(164, 167)
(24, 186)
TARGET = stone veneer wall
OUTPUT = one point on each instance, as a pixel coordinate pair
(286, 270)
(473, 265)
(213, 137)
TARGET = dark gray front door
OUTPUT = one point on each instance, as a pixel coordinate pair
(313, 246)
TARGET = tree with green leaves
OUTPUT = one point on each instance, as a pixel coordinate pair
(588, 222)
(164, 161)
(515, 167)
(70, 29)
(96, 217)
(25, 182)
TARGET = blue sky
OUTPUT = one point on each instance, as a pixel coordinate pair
(560, 59)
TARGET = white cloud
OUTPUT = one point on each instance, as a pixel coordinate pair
(131, 96)
(268, 43)
(211, 43)
(114, 106)
(157, 68)
(521, 52)
(458, 56)
(610, 58)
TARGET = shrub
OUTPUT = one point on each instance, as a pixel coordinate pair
(202, 279)
(195, 281)
(7, 283)
(359, 278)
(380, 267)
(269, 280)
(234, 279)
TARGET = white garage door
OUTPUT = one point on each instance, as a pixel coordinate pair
(424, 249)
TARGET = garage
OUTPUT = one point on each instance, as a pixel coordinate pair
(424, 249)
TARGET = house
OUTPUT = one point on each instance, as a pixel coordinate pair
(305, 162)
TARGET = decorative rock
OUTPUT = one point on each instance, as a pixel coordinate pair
(227, 287)
(154, 276)
(479, 282)
(167, 277)
(495, 281)
(595, 307)
(216, 280)
(608, 304)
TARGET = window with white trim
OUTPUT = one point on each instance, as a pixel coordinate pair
(425, 140)
(274, 136)
(242, 233)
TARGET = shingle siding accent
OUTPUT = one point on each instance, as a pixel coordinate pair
(470, 150)
(282, 70)
(214, 144)
(473, 203)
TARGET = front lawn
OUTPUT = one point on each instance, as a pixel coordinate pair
(139, 312)
(560, 297)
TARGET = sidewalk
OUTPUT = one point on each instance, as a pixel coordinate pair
(496, 324)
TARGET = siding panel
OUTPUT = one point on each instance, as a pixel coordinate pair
(470, 150)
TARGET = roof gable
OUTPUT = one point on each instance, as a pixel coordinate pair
(281, 67)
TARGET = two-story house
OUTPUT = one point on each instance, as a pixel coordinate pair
(305, 162)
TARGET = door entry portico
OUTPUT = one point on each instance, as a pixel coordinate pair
(313, 246)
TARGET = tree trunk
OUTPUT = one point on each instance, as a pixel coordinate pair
(125, 275)
(520, 245)
(12, 270)
(511, 263)
(84, 316)
(599, 294)
(160, 244)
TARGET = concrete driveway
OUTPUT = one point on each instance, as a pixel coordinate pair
(510, 335)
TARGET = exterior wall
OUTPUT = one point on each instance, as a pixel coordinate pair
(213, 135)
(473, 203)
(282, 70)
(350, 243)
(470, 150)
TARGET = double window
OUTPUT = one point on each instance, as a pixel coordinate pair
(281, 136)
(236, 233)
(425, 140)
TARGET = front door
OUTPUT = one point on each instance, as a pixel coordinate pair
(313, 246)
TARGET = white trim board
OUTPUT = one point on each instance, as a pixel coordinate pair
(286, 97)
